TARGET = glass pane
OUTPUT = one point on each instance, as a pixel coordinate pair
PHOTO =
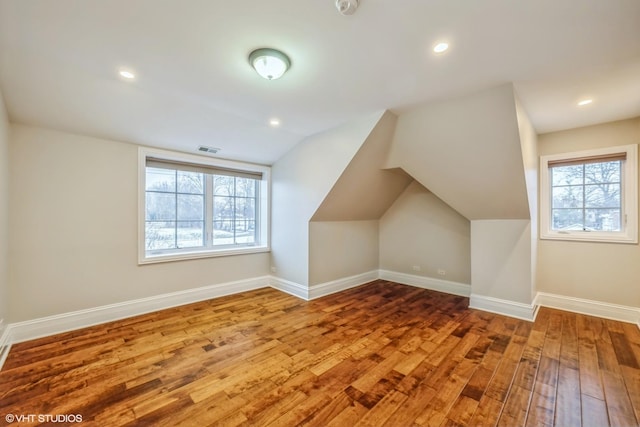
(602, 172)
(567, 219)
(190, 207)
(190, 234)
(223, 233)
(566, 175)
(161, 179)
(602, 219)
(245, 209)
(567, 197)
(245, 187)
(245, 231)
(602, 196)
(160, 206)
(190, 182)
(160, 235)
(223, 185)
(223, 207)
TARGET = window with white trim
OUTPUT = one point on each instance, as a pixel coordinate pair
(590, 195)
(194, 207)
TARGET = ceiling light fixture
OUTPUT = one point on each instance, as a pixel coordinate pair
(584, 102)
(269, 63)
(441, 47)
(274, 122)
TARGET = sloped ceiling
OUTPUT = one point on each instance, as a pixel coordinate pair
(59, 62)
(467, 152)
(365, 191)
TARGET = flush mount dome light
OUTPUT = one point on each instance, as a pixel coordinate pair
(269, 63)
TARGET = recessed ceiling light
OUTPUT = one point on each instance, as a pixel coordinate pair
(126, 74)
(585, 102)
(274, 122)
(441, 47)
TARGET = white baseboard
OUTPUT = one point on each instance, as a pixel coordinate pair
(289, 287)
(504, 307)
(621, 313)
(431, 283)
(339, 285)
(37, 328)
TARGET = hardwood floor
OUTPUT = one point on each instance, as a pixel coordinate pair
(379, 354)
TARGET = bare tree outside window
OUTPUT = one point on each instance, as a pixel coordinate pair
(176, 209)
(587, 196)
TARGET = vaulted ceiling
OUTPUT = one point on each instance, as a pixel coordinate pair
(194, 86)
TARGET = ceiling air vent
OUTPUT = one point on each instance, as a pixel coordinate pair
(210, 150)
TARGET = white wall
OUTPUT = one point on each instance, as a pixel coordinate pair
(339, 249)
(606, 272)
(301, 180)
(73, 214)
(364, 190)
(4, 213)
(501, 259)
(421, 230)
(467, 152)
(529, 144)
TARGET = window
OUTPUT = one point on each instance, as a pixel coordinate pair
(590, 195)
(193, 207)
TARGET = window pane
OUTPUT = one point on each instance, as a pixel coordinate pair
(160, 206)
(567, 175)
(602, 219)
(567, 219)
(245, 208)
(602, 196)
(245, 231)
(160, 235)
(190, 234)
(223, 232)
(190, 207)
(160, 179)
(190, 182)
(602, 172)
(567, 197)
(223, 185)
(223, 207)
(245, 187)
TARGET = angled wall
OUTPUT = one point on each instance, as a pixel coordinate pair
(470, 153)
(365, 190)
(343, 232)
(301, 180)
(467, 152)
(529, 144)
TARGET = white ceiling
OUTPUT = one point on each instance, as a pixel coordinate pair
(59, 62)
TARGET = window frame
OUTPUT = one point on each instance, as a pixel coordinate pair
(262, 208)
(628, 195)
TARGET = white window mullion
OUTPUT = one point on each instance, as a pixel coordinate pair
(208, 211)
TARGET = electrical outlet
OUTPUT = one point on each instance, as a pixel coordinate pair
(442, 272)
(273, 269)
(416, 268)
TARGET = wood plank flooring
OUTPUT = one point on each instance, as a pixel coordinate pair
(379, 354)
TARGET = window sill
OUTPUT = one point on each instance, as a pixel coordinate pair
(591, 237)
(185, 256)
